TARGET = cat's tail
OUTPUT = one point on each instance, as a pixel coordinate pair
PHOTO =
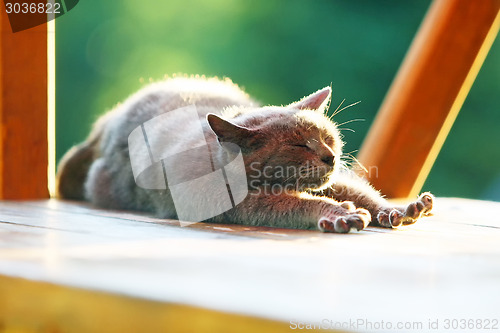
(74, 166)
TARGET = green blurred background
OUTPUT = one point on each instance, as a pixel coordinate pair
(279, 51)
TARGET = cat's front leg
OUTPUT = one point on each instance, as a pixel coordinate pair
(351, 218)
(292, 209)
(349, 187)
(392, 216)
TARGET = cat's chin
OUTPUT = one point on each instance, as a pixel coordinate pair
(324, 183)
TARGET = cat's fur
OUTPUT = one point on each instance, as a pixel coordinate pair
(326, 195)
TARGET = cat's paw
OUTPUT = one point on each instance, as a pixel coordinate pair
(394, 217)
(342, 221)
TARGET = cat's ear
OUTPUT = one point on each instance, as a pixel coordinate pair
(316, 101)
(226, 131)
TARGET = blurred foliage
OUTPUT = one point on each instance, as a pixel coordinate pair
(279, 51)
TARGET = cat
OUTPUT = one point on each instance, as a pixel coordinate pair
(292, 159)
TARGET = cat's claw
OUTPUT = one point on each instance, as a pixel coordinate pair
(349, 205)
(391, 219)
(394, 217)
(353, 219)
(427, 199)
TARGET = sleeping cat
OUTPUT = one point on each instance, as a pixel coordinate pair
(292, 159)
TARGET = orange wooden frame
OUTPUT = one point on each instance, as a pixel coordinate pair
(427, 94)
(23, 112)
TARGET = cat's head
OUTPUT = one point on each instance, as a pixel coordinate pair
(295, 146)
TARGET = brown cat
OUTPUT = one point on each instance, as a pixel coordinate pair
(291, 156)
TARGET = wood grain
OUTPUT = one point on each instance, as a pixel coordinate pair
(427, 93)
(23, 112)
(67, 265)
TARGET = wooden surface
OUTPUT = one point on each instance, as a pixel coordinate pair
(28, 306)
(427, 93)
(23, 112)
(67, 265)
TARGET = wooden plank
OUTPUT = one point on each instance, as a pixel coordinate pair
(427, 93)
(23, 112)
(27, 306)
(86, 265)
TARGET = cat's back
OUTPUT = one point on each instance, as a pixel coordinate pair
(173, 93)
(208, 95)
(109, 137)
(202, 91)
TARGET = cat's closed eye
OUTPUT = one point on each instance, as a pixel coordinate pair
(328, 140)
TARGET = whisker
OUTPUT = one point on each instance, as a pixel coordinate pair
(337, 109)
(350, 121)
(358, 163)
(351, 152)
(345, 107)
(347, 129)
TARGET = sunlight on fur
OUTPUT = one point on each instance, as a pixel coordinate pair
(292, 155)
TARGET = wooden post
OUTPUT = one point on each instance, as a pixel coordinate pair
(427, 93)
(23, 112)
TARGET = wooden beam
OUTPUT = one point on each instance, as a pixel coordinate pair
(30, 306)
(427, 93)
(95, 270)
(23, 112)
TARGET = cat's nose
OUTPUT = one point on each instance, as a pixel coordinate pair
(329, 160)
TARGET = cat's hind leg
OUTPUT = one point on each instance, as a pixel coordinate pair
(98, 185)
